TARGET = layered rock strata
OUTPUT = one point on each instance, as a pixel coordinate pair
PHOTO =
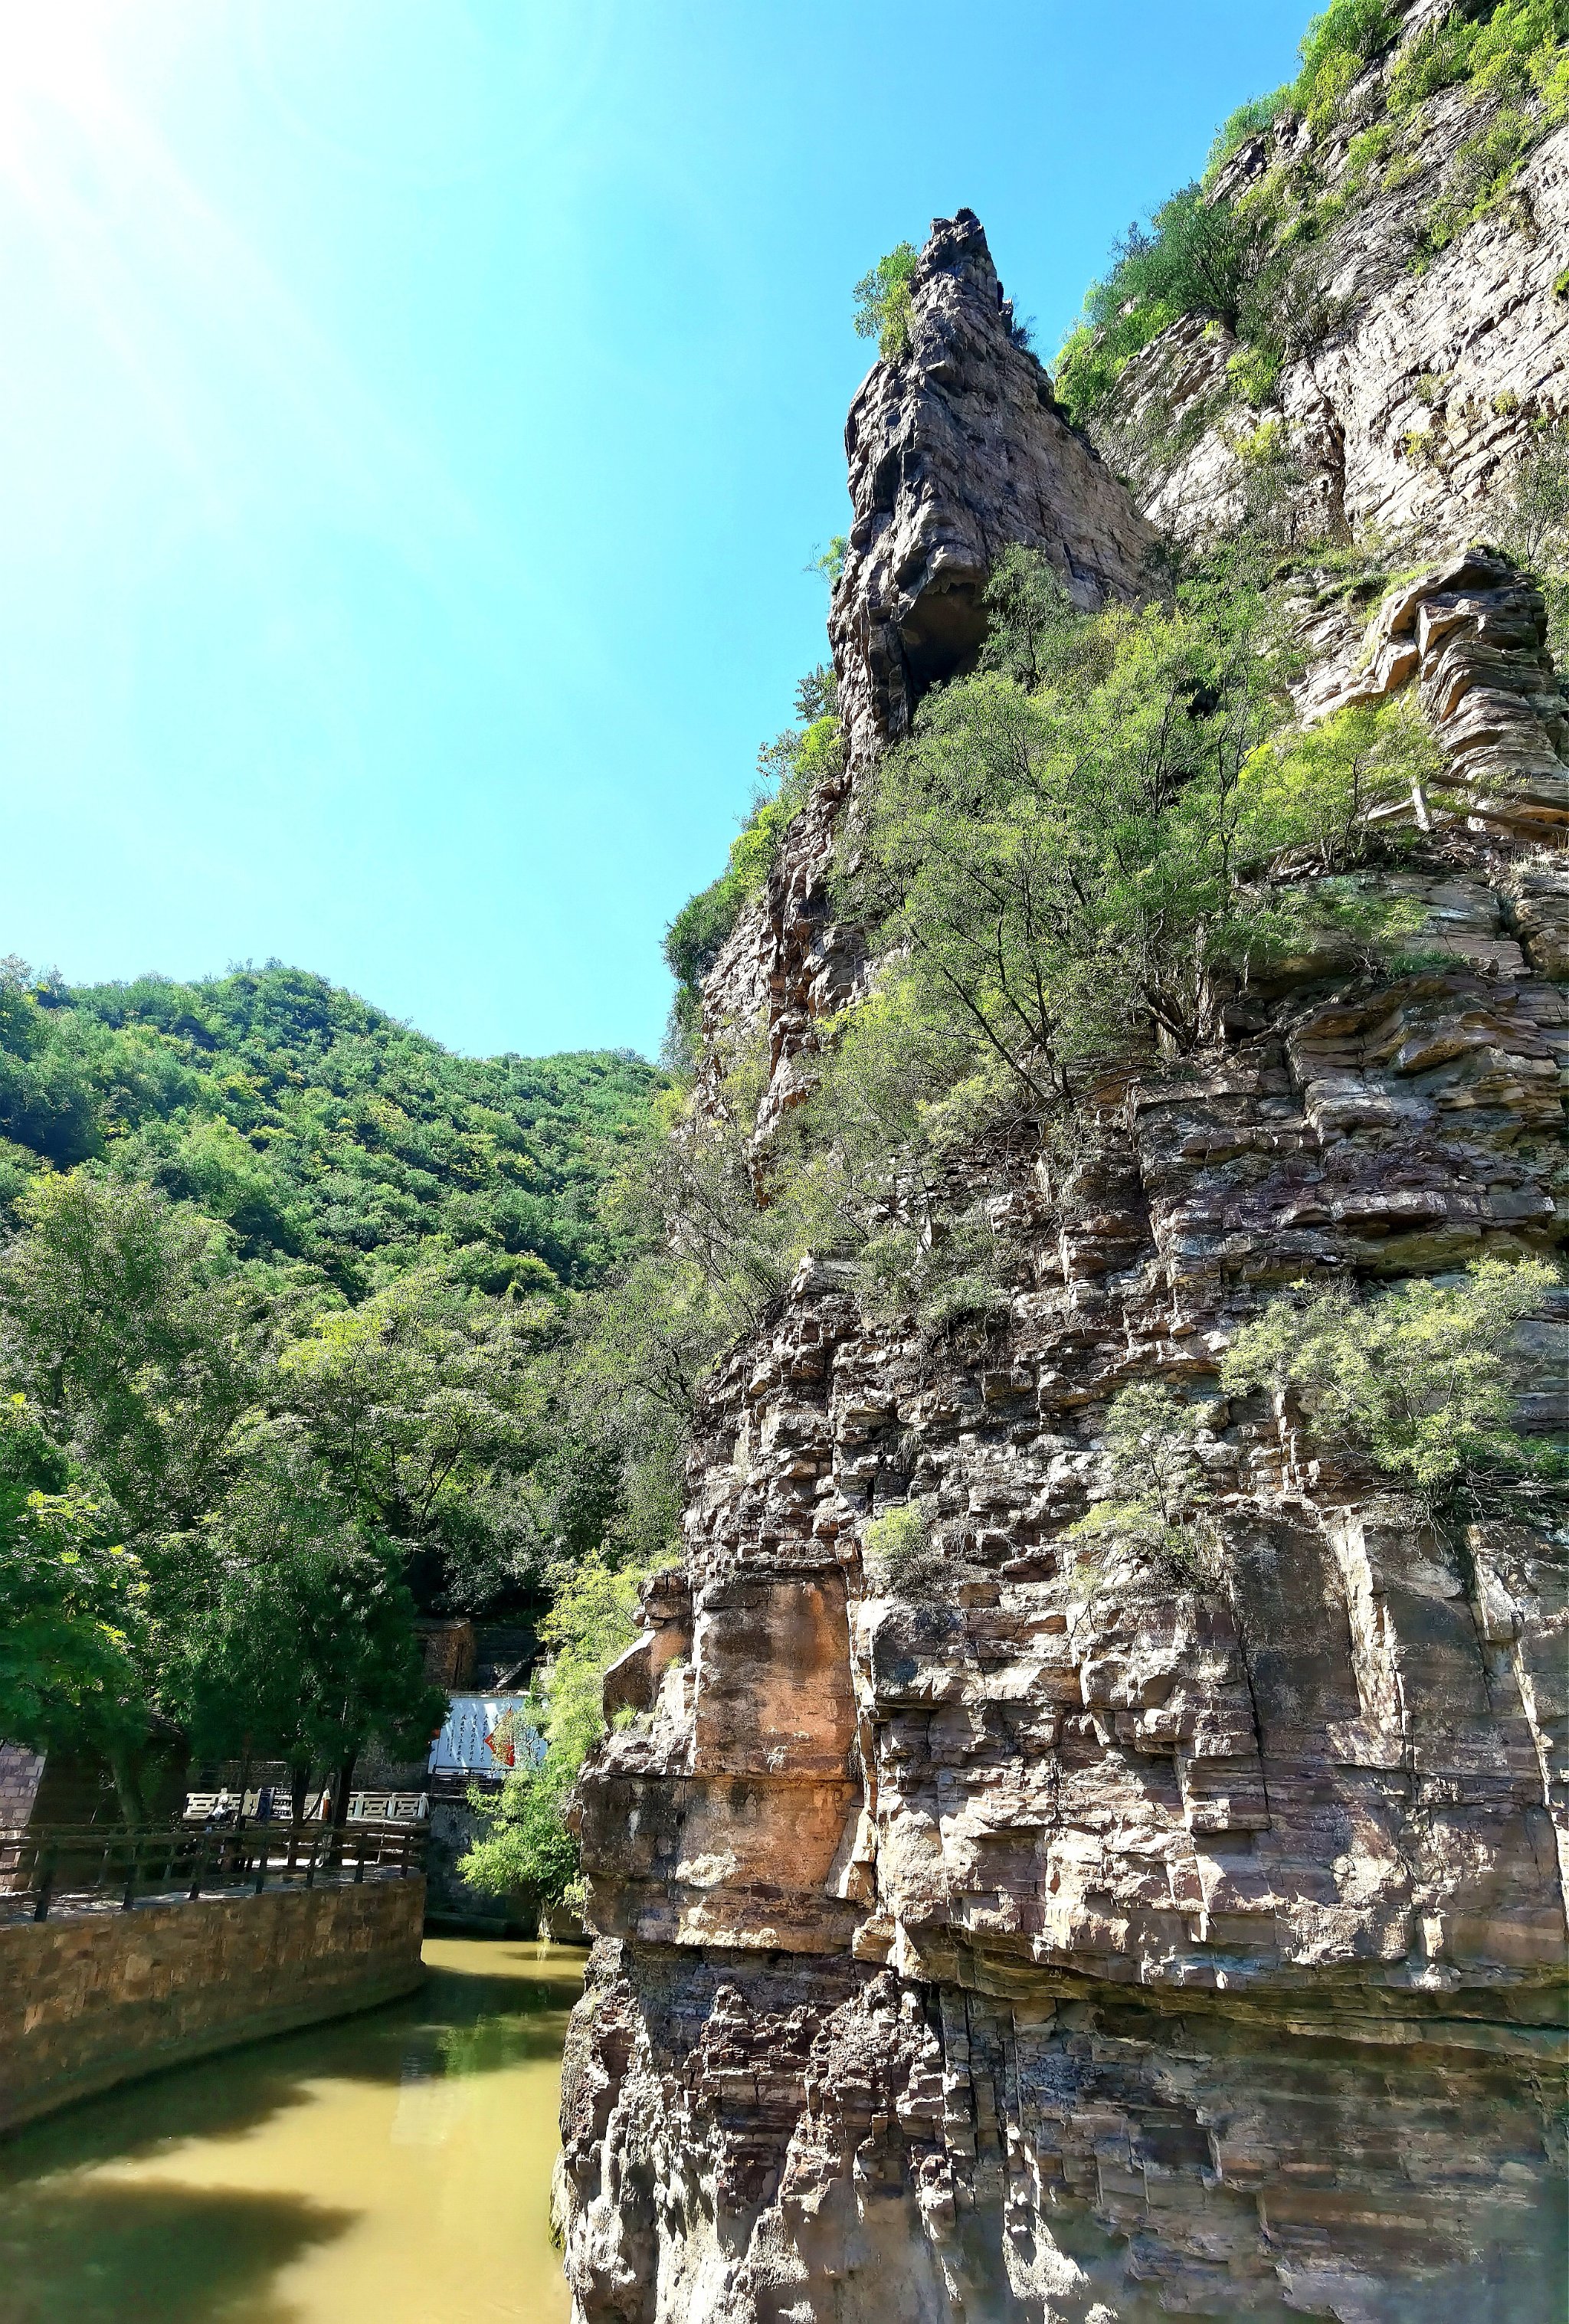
(1430, 372)
(1471, 634)
(1057, 1946)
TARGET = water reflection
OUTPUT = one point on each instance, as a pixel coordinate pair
(394, 2168)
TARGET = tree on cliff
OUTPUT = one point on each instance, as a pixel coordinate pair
(882, 301)
(1062, 874)
(1419, 1379)
(789, 769)
(1251, 256)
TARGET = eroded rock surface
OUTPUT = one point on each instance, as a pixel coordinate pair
(1426, 388)
(1221, 1931)
(1471, 633)
(1061, 1947)
(956, 449)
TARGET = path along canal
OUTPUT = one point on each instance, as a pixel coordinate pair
(389, 2169)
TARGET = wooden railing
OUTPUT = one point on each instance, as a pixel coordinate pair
(91, 1868)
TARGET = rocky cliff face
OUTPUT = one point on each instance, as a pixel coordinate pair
(1471, 634)
(1430, 373)
(1057, 1947)
(954, 451)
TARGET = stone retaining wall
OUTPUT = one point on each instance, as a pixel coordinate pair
(101, 1998)
(453, 1828)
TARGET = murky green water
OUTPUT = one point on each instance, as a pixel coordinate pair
(392, 2169)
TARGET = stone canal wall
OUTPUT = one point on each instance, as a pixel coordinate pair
(101, 1998)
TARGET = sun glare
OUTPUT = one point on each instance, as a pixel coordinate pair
(51, 62)
(45, 45)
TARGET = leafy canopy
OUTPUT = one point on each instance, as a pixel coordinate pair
(882, 301)
(1312, 791)
(192, 1533)
(1068, 868)
(126, 1321)
(74, 1610)
(298, 1640)
(1420, 1378)
(1056, 875)
(315, 1126)
(528, 1845)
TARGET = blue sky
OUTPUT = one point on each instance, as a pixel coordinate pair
(415, 420)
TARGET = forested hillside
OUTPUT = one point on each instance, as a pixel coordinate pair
(316, 1127)
(292, 1304)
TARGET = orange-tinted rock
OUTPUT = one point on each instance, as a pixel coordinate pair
(1064, 1946)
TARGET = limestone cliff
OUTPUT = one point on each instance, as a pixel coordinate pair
(1085, 1953)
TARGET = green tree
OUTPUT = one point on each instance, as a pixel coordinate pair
(136, 1349)
(266, 1150)
(529, 1845)
(1334, 48)
(1061, 872)
(184, 1548)
(1062, 878)
(298, 1640)
(1314, 790)
(828, 563)
(427, 1406)
(1157, 1507)
(320, 1130)
(1532, 510)
(75, 1610)
(1033, 634)
(1197, 256)
(46, 1103)
(125, 1321)
(1247, 260)
(882, 301)
(1419, 1380)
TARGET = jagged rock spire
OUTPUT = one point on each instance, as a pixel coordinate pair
(956, 449)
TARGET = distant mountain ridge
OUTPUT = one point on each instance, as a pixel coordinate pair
(319, 1127)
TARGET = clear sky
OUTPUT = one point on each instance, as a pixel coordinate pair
(417, 419)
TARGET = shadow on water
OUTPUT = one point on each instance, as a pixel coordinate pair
(102, 2217)
(461, 2021)
(101, 2254)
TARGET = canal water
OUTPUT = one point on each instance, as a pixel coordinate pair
(389, 2169)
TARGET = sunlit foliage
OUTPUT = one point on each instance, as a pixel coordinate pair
(882, 301)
